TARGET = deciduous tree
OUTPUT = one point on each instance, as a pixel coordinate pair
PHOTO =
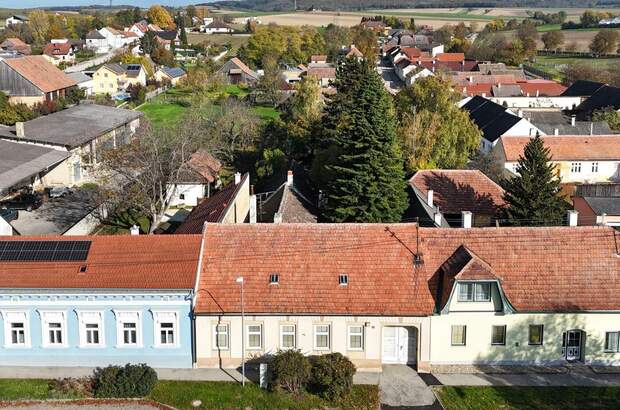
(39, 23)
(160, 16)
(553, 40)
(605, 42)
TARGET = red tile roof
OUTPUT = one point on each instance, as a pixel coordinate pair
(114, 262)
(40, 72)
(318, 57)
(411, 52)
(568, 147)
(539, 269)
(460, 190)
(547, 89)
(452, 57)
(57, 49)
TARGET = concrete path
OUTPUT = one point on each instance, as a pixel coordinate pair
(574, 378)
(400, 386)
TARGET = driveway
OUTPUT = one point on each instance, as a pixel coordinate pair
(401, 388)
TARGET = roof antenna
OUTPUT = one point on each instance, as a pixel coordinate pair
(417, 259)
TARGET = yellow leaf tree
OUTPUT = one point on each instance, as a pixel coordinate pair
(159, 16)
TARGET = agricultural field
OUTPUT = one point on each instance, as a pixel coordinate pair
(580, 38)
(236, 40)
(555, 65)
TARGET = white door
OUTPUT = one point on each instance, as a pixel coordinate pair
(399, 345)
(573, 345)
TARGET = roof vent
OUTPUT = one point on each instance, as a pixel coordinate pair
(274, 279)
(83, 268)
(343, 279)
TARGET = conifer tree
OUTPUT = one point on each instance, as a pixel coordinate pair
(533, 195)
(366, 178)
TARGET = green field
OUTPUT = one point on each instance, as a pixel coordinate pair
(32, 389)
(555, 64)
(534, 398)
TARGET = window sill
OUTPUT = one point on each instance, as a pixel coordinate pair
(129, 346)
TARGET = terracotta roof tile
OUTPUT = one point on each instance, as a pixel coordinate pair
(453, 57)
(114, 262)
(568, 147)
(40, 72)
(460, 190)
(57, 49)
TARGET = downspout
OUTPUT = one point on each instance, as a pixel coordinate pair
(195, 296)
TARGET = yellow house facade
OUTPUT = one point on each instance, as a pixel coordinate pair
(114, 78)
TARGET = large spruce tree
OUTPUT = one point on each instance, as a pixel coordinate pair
(533, 195)
(366, 178)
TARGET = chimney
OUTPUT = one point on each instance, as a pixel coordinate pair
(429, 197)
(520, 113)
(572, 217)
(19, 129)
(471, 79)
(134, 230)
(237, 178)
(499, 85)
(466, 219)
(537, 93)
(437, 218)
(591, 128)
(484, 95)
(572, 120)
(253, 209)
(289, 178)
(277, 218)
(603, 219)
(556, 131)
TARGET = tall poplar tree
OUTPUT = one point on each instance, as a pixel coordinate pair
(533, 195)
(366, 178)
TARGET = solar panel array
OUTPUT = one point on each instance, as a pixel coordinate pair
(43, 251)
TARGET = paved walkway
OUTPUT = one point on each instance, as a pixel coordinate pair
(583, 377)
(401, 387)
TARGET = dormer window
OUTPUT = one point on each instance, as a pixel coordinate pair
(274, 279)
(343, 280)
(474, 292)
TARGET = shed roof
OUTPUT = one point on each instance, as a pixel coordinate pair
(40, 72)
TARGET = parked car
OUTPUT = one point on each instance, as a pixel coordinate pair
(26, 202)
(8, 214)
(59, 192)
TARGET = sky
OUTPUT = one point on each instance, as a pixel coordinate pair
(58, 3)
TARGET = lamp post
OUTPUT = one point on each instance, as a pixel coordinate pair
(240, 280)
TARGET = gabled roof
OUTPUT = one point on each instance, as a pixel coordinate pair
(240, 65)
(15, 42)
(168, 35)
(95, 35)
(218, 24)
(557, 269)
(201, 167)
(456, 190)
(568, 147)
(173, 72)
(211, 209)
(354, 52)
(57, 49)
(582, 88)
(604, 205)
(491, 118)
(550, 120)
(454, 57)
(113, 262)
(40, 72)
(605, 96)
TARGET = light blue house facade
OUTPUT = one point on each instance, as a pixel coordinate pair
(120, 304)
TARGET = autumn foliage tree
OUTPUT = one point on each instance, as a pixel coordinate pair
(160, 16)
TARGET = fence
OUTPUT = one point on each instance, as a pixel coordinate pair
(85, 65)
(575, 54)
(155, 93)
(537, 72)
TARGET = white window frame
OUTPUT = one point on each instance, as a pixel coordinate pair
(83, 320)
(120, 321)
(288, 333)
(464, 342)
(360, 334)
(215, 334)
(474, 297)
(254, 333)
(10, 317)
(47, 317)
(594, 167)
(542, 335)
(329, 337)
(160, 317)
(503, 343)
(575, 167)
(617, 347)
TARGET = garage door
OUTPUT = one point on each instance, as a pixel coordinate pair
(399, 345)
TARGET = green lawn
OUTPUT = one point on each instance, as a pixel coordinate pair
(30, 389)
(534, 398)
(225, 395)
(555, 64)
(162, 113)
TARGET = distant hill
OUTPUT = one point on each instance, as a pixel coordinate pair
(344, 5)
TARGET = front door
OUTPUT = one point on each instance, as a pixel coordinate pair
(399, 345)
(572, 345)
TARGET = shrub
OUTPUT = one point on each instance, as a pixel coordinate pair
(290, 371)
(71, 387)
(332, 376)
(132, 380)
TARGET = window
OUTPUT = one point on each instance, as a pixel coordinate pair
(220, 337)
(165, 329)
(535, 335)
(321, 337)
(356, 337)
(458, 335)
(54, 329)
(91, 329)
(16, 329)
(274, 279)
(128, 329)
(255, 337)
(474, 292)
(498, 335)
(343, 280)
(611, 341)
(595, 167)
(287, 336)
(575, 167)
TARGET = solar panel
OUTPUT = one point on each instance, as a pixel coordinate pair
(44, 251)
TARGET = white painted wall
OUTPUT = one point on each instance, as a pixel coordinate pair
(538, 102)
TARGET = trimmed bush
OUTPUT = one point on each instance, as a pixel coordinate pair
(290, 371)
(132, 380)
(332, 376)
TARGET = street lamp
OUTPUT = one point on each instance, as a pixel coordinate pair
(240, 280)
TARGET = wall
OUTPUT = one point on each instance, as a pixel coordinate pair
(240, 207)
(103, 84)
(29, 101)
(74, 355)
(538, 102)
(478, 348)
(191, 192)
(607, 171)
(369, 359)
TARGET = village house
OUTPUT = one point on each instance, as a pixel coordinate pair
(597, 204)
(97, 42)
(16, 19)
(32, 79)
(197, 178)
(577, 158)
(113, 78)
(102, 300)
(83, 81)
(166, 38)
(216, 27)
(139, 29)
(603, 98)
(84, 131)
(15, 46)
(454, 198)
(555, 122)
(294, 201)
(235, 71)
(59, 51)
(171, 75)
(118, 39)
(435, 299)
